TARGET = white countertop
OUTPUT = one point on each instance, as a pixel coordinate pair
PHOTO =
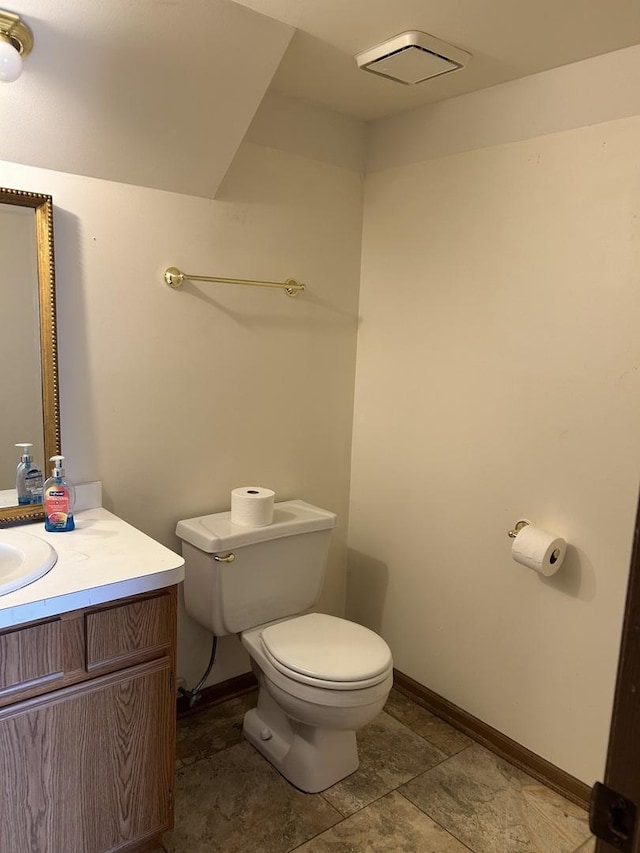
(8, 497)
(103, 559)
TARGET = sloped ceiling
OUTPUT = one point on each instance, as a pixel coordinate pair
(161, 92)
(147, 92)
(508, 39)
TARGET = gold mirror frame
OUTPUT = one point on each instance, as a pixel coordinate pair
(42, 206)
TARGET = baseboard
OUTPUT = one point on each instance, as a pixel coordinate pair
(218, 693)
(151, 845)
(570, 787)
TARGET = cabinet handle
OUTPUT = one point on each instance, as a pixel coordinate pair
(227, 558)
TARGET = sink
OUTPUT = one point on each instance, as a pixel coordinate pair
(23, 559)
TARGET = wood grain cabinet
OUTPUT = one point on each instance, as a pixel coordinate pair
(87, 729)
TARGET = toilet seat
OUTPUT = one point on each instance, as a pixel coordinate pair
(325, 651)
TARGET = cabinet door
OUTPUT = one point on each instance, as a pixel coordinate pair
(89, 769)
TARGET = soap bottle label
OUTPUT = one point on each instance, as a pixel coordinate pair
(33, 485)
(57, 507)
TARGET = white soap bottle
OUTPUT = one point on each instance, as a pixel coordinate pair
(28, 478)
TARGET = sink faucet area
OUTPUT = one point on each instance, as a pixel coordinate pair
(23, 559)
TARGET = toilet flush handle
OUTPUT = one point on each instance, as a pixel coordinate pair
(226, 558)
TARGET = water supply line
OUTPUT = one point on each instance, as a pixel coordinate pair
(194, 694)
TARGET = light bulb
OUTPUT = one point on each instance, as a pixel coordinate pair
(10, 61)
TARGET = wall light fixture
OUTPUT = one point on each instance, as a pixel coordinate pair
(16, 41)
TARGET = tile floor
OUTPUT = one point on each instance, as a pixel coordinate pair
(422, 787)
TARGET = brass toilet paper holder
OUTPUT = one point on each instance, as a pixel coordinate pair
(517, 527)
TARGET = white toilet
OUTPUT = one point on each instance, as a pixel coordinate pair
(321, 678)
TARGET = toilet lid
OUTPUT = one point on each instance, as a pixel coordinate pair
(324, 647)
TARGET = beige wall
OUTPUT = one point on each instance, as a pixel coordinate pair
(497, 375)
(497, 378)
(172, 398)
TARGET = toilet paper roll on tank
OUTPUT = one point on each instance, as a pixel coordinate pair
(537, 549)
(252, 506)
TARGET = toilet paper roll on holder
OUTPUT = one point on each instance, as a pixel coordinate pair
(517, 527)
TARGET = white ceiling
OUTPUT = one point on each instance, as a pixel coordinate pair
(157, 93)
(160, 93)
(508, 39)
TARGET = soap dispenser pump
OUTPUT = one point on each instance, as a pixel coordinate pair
(28, 477)
(59, 498)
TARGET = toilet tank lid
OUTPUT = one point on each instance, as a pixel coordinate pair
(215, 532)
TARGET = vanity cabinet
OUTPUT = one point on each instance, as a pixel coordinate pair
(87, 728)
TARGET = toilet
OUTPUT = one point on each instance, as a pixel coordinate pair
(320, 678)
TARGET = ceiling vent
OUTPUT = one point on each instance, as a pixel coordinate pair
(412, 57)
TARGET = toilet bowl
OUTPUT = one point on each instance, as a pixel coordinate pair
(311, 702)
(320, 678)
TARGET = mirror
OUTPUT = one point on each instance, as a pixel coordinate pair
(28, 353)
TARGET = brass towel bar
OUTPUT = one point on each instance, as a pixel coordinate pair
(174, 278)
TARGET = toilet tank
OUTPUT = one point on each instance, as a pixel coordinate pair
(277, 571)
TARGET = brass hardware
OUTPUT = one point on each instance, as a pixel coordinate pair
(612, 817)
(517, 527)
(228, 558)
(16, 32)
(175, 277)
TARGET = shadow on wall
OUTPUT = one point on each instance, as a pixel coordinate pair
(368, 579)
(333, 315)
(367, 582)
(77, 411)
(576, 577)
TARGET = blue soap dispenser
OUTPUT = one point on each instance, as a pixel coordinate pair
(28, 478)
(59, 498)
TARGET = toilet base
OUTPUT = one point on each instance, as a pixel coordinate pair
(309, 757)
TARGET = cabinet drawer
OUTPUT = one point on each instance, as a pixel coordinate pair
(30, 657)
(125, 633)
